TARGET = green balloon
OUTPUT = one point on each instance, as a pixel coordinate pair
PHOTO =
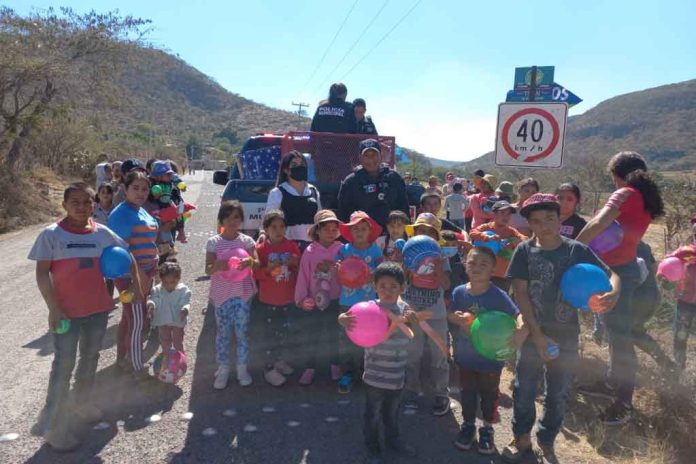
(491, 332)
(506, 253)
(156, 190)
(63, 327)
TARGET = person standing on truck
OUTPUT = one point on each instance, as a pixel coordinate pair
(372, 187)
(295, 197)
(335, 114)
(364, 124)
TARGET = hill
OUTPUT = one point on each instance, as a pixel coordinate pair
(659, 123)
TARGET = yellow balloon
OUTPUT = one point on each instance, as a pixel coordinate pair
(126, 296)
(181, 186)
(187, 215)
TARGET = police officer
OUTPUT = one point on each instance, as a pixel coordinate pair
(335, 114)
(364, 123)
(372, 187)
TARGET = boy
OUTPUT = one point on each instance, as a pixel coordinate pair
(536, 269)
(67, 273)
(479, 377)
(385, 368)
(502, 215)
(425, 293)
(432, 203)
(456, 204)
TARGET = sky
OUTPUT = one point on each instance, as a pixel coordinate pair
(436, 80)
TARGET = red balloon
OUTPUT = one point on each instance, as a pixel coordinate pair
(353, 272)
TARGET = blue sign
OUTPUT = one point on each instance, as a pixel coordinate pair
(523, 77)
(555, 93)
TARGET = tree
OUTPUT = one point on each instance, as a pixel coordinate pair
(38, 65)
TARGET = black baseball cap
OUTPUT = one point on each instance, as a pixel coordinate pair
(479, 173)
(130, 165)
(370, 144)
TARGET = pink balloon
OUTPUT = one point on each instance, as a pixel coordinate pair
(235, 257)
(671, 269)
(371, 324)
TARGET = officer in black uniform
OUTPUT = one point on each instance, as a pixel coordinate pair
(335, 114)
(364, 123)
(372, 187)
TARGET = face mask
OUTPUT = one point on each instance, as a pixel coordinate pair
(298, 173)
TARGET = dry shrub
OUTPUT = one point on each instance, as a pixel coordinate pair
(28, 199)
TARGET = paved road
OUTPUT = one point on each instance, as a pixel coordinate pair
(258, 424)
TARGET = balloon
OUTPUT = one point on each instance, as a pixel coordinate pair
(418, 248)
(114, 262)
(491, 332)
(553, 350)
(580, 282)
(169, 367)
(168, 214)
(126, 296)
(181, 186)
(468, 320)
(671, 269)
(353, 272)
(63, 326)
(234, 274)
(494, 245)
(609, 239)
(156, 190)
(595, 304)
(400, 244)
(370, 326)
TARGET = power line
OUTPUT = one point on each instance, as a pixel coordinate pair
(350, 49)
(326, 52)
(382, 39)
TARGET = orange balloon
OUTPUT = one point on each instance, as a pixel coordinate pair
(468, 320)
(595, 304)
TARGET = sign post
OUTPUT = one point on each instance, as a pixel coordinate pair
(530, 134)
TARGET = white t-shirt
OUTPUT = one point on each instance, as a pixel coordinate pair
(455, 205)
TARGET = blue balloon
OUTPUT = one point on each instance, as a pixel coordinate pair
(399, 244)
(494, 245)
(580, 282)
(418, 248)
(114, 262)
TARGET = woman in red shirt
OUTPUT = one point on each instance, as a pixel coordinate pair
(635, 203)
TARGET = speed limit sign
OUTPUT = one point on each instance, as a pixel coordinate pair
(530, 134)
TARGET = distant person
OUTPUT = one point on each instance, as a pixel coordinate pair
(103, 173)
(450, 179)
(432, 203)
(525, 189)
(373, 187)
(364, 123)
(433, 185)
(571, 222)
(414, 191)
(335, 114)
(479, 203)
(456, 204)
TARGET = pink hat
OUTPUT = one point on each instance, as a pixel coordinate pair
(356, 217)
(540, 201)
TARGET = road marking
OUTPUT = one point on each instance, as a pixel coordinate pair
(293, 423)
(101, 426)
(229, 413)
(250, 428)
(268, 409)
(154, 418)
(331, 419)
(9, 436)
(187, 416)
(209, 432)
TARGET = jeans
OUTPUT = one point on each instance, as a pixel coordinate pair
(439, 366)
(683, 321)
(381, 407)
(87, 333)
(623, 362)
(275, 332)
(558, 374)
(479, 385)
(232, 315)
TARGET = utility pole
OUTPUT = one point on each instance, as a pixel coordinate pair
(300, 111)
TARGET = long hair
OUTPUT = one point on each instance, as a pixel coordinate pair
(630, 167)
(285, 164)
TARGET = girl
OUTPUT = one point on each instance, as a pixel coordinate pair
(104, 205)
(525, 189)
(232, 300)
(479, 201)
(316, 295)
(360, 233)
(396, 229)
(571, 222)
(169, 306)
(135, 226)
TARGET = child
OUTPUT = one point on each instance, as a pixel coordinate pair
(479, 377)
(432, 203)
(277, 275)
(169, 305)
(525, 189)
(536, 269)
(396, 229)
(134, 225)
(569, 198)
(456, 204)
(316, 295)
(478, 201)
(360, 233)
(502, 214)
(425, 294)
(165, 193)
(67, 273)
(385, 368)
(104, 198)
(232, 300)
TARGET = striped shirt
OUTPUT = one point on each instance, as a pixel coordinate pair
(385, 364)
(222, 289)
(139, 230)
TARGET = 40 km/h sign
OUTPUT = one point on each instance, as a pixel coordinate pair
(530, 134)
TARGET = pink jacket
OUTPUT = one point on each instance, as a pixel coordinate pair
(686, 290)
(316, 272)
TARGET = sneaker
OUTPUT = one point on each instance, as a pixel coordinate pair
(545, 454)
(441, 406)
(486, 444)
(403, 448)
(243, 375)
(345, 383)
(519, 450)
(61, 441)
(222, 375)
(617, 413)
(274, 377)
(88, 413)
(283, 367)
(465, 439)
(335, 372)
(307, 377)
(600, 389)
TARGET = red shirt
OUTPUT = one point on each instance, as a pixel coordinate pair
(633, 218)
(277, 287)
